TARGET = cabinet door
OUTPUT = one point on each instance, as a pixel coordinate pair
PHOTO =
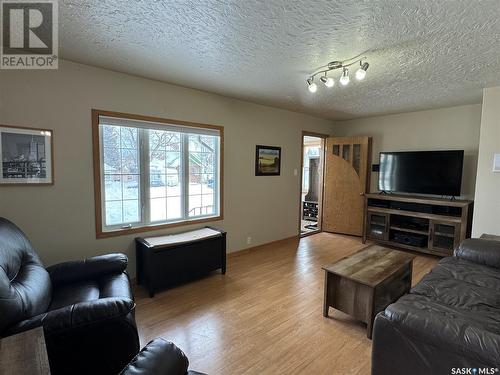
(444, 236)
(377, 225)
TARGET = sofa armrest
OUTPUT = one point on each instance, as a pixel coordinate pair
(89, 268)
(485, 252)
(76, 315)
(159, 357)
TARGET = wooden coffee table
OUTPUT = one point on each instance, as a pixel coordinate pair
(366, 282)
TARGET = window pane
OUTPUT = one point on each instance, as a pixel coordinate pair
(128, 138)
(194, 184)
(174, 208)
(158, 209)
(130, 161)
(207, 201)
(131, 211)
(195, 206)
(121, 174)
(157, 185)
(173, 161)
(346, 152)
(356, 157)
(336, 150)
(112, 187)
(111, 136)
(202, 168)
(173, 185)
(113, 213)
(130, 187)
(156, 140)
(207, 184)
(112, 160)
(157, 162)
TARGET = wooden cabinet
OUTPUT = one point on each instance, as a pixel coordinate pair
(378, 224)
(429, 225)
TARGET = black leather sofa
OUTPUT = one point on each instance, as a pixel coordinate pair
(448, 322)
(159, 357)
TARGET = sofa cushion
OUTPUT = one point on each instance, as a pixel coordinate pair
(25, 287)
(456, 305)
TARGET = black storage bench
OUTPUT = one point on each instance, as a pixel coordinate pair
(170, 260)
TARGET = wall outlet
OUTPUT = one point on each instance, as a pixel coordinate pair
(295, 172)
(249, 240)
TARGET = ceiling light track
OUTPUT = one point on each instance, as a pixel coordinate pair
(344, 79)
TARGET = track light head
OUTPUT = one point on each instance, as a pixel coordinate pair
(311, 85)
(361, 72)
(327, 81)
(344, 79)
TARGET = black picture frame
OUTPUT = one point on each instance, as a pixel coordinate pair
(26, 156)
(272, 169)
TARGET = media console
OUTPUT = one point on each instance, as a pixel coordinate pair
(430, 225)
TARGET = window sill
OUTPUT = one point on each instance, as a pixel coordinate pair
(149, 228)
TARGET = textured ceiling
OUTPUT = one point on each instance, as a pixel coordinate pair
(422, 53)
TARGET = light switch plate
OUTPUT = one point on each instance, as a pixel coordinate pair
(496, 163)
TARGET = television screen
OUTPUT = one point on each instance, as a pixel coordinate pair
(421, 172)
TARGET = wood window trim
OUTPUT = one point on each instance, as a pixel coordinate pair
(97, 174)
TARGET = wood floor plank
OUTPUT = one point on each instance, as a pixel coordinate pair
(265, 315)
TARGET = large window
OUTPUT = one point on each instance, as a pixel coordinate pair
(154, 172)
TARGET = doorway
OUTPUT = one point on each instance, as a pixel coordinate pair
(311, 188)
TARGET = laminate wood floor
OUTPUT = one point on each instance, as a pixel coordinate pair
(265, 315)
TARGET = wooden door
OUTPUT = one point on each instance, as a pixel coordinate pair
(347, 179)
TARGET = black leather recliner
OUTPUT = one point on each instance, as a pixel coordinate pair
(159, 357)
(86, 308)
(448, 322)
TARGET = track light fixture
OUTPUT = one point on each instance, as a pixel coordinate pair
(311, 85)
(344, 78)
(361, 72)
(327, 81)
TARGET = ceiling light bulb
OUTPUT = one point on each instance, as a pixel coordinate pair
(344, 80)
(328, 81)
(311, 85)
(361, 72)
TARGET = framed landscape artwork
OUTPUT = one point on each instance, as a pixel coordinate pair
(267, 160)
(26, 156)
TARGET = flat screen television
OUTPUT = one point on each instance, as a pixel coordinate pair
(421, 172)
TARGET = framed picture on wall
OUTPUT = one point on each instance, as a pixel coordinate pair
(267, 160)
(26, 156)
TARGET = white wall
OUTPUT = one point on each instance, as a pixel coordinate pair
(487, 198)
(59, 219)
(438, 129)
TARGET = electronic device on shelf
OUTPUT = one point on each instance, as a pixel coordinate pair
(422, 172)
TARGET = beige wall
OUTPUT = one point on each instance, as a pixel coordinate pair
(60, 219)
(438, 129)
(487, 199)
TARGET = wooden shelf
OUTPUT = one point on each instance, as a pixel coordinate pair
(448, 222)
(423, 215)
(423, 200)
(425, 233)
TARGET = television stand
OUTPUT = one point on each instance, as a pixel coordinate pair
(428, 225)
